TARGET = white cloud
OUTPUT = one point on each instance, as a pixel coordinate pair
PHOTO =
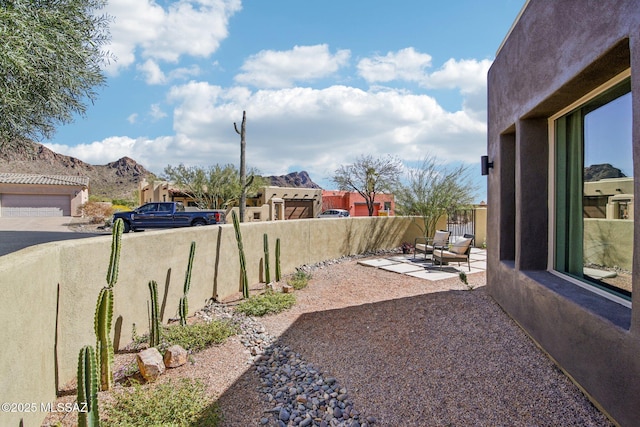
(405, 64)
(153, 73)
(279, 69)
(143, 28)
(132, 118)
(469, 75)
(156, 112)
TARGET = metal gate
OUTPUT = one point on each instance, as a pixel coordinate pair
(462, 222)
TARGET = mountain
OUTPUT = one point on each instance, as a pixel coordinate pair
(603, 171)
(115, 180)
(293, 179)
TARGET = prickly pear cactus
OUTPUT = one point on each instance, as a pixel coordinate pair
(87, 396)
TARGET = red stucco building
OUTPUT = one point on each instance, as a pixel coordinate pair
(355, 203)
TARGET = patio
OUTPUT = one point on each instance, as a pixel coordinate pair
(423, 268)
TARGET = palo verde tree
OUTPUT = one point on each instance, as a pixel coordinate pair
(50, 63)
(369, 176)
(434, 190)
(214, 187)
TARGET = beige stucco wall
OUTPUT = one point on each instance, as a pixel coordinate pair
(609, 242)
(50, 291)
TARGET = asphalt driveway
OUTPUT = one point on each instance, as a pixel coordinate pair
(20, 233)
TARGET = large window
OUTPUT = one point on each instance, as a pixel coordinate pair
(594, 191)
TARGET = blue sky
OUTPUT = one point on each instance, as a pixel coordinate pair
(322, 83)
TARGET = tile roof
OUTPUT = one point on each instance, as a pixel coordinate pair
(23, 178)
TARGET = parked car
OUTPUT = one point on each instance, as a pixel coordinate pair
(167, 215)
(334, 213)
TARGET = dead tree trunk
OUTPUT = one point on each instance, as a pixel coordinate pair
(243, 168)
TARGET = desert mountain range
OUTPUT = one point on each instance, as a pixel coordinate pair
(115, 180)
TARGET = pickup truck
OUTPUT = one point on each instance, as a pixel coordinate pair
(167, 215)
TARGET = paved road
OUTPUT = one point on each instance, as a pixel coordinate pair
(20, 233)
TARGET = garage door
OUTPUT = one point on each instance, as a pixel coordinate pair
(297, 209)
(35, 205)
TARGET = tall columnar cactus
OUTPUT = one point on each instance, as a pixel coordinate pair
(243, 263)
(104, 311)
(267, 271)
(87, 396)
(278, 276)
(102, 327)
(183, 309)
(154, 327)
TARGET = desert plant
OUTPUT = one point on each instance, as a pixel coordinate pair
(174, 403)
(278, 277)
(198, 336)
(154, 318)
(184, 303)
(463, 279)
(104, 312)
(243, 263)
(268, 303)
(96, 212)
(87, 394)
(267, 270)
(299, 280)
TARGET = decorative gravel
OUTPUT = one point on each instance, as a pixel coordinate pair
(366, 347)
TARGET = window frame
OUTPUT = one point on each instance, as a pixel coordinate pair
(626, 74)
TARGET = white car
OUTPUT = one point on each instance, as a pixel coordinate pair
(334, 213)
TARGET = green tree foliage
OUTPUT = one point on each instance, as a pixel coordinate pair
(50, 63)
(434, 190)
(215, 187)
(369, 176)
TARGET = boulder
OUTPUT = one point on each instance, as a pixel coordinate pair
(150, 364)
(175, 356)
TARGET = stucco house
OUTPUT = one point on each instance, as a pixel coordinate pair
(563, 95)
(352, 201)
(23, 195)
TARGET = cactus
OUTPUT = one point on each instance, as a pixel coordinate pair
(243, 263)
(267, 271)
(154, 327)
(87, 396)
(104, 312)
(183, 308)
(104, 346)
(278, 276)
(114, 260)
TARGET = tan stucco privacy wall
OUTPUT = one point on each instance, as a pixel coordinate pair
(49, 291)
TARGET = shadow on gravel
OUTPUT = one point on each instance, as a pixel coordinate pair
(449, 358)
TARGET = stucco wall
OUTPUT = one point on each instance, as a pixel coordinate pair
(50, 291)
(556, 53)
(609, 242)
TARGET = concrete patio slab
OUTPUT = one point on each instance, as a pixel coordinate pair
(402, 268)
(378, 262)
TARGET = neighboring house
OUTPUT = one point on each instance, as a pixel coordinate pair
(563, 250)
(384, 204)
(23, 195)
(270, 204)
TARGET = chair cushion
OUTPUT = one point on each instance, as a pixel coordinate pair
(460, 246)
(441, 237)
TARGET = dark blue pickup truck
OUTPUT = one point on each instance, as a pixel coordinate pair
(167, 215)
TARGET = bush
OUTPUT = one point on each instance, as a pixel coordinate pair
(268, 303)
(197, 336)
(96, 212)
(181, 403)
(299, 280)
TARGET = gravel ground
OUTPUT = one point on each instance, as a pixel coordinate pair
(368, 347)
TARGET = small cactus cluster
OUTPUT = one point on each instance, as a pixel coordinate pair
(154, 318)
(243, 262)
(278, 272)
(183, 308)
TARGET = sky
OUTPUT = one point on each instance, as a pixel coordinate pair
(322, 83)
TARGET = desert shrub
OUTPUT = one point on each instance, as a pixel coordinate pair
(175, 403)
(120, 208)
(198, 336)
(299, 280)
(96, 212)
(268, 303)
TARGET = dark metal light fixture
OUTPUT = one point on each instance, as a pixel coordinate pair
(486, 165)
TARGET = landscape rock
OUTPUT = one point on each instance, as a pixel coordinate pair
(150, 363)
(175, 356)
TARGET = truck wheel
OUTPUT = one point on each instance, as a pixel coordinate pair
(126, 228)
(198, 223)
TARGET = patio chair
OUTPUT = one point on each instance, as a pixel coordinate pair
(439, 241)
(458, 250)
